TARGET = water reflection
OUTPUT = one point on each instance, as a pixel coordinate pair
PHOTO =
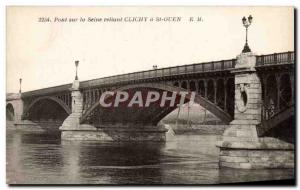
(45, 159)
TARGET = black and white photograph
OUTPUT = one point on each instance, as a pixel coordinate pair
(150, 95)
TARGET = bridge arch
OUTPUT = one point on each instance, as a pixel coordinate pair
(193, 86)
(211, 90)
(280, 125)
(161, 113)
(38, 104)
(176, 83)
(271, 96)
(278, 93)
(10, 112)
(220, 93)
(285, 89)
(184, 85)
(201, 88)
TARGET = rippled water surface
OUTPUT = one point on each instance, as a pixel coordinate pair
(35, 157)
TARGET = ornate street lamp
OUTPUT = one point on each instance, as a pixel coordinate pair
(20, 80)
(246, 24)
(76, 64)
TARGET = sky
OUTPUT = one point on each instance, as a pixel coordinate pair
(43, 53)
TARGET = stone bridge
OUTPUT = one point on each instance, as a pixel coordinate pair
(253, 95)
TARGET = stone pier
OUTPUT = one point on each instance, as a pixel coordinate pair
(240, 146)
(71, 123)
(17, 103)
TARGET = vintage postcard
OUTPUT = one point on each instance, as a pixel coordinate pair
(150, 95)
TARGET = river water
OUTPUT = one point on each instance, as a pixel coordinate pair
(43, 158)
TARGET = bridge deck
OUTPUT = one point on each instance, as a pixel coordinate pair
(207, 67)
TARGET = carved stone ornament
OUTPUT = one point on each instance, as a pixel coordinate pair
(242, 98)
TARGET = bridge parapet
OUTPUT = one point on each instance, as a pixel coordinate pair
(47, 91)
(168, 73)
(275, 59)
(197, 68)
(13, 96)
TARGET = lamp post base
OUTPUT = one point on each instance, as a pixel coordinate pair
(246, 48)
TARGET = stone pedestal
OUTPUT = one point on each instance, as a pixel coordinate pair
(240, 146)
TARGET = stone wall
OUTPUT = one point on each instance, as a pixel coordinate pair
(267, 153)
(257, 159)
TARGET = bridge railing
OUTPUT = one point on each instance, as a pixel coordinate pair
(275, 59)
(164, 72)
